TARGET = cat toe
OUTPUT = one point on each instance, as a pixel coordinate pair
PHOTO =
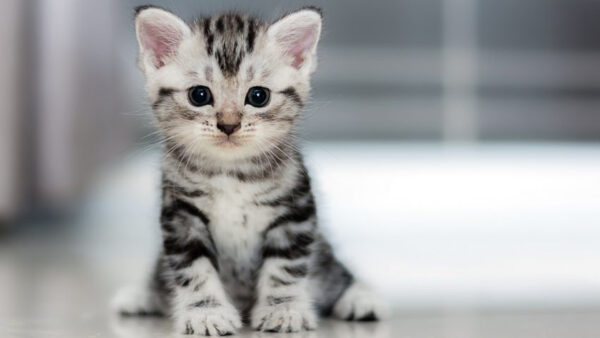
(358, 303)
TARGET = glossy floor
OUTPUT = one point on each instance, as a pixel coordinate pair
(490, 241)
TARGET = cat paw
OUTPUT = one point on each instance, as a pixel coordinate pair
(136, 300)
(283, 317)
(222, 320)
(358, 303)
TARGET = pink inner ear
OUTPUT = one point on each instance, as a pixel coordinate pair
(298, 42)
(161, 41)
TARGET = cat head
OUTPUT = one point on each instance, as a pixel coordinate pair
(227, 87)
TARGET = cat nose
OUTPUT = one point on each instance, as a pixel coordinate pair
(228, 128)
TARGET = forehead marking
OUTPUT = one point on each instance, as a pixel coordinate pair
(240, 24)
(251, 35)
(229, 38)
(220, 25)
(208, 37)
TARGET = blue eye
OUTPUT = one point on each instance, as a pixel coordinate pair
(200, 96)
(258, 96)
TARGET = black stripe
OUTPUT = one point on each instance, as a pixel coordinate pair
(208, 37)
(271, 300)
(206, 302)
(239, 23)
(302, 239)
(369, 317)
(288, 253)
(229, 60)
(223, 65)
(167, 227)
(191, 251)
(251, 36)
(297, 270)
(230, 51)
(220, 59)
(200, 250)
(163, 93)
(302, 186)
(183, 281)
(238, 56)
(280, 282)
(291, 93)
(188, 327)
(179, 190)
(337, 276)
(267, 172)
(300, 189)
(294, 215)
(169, 212)
(219, 25)
(170, 244)
(298, 247)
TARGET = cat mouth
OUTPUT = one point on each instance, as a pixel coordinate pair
(227, 143)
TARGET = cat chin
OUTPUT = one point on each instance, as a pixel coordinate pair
(228, 145)
(228, 152)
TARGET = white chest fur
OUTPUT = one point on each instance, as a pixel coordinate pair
(236, 225)
(236, 222)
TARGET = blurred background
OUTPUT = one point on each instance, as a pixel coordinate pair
(453, 144)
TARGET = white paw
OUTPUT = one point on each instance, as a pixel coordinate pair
(222, 320)
(136, 300)
(284, 317)
(359, 303)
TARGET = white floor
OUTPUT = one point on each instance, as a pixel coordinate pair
(470, 241)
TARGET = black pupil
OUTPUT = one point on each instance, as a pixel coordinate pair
(258, 97)
(200, 96)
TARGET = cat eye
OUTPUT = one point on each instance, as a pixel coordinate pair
(200, 96)
(258, 96)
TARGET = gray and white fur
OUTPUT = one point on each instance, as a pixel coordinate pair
(239, 226)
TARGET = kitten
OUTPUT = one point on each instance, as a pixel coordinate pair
(239, 227)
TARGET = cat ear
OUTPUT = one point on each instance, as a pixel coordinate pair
(296, 35)
(159, 34)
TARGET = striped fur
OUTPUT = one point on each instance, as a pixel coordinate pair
(239, 223)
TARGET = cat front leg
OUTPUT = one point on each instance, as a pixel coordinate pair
(199, 304)
(283, 298)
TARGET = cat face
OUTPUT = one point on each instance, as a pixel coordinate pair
(227, 87)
